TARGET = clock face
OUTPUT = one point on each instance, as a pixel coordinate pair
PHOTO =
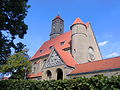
(91, 56)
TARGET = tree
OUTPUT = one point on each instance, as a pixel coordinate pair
(18, 64)
(12, 25)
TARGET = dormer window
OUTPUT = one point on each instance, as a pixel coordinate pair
(50, 47)
(62, 43)
(41, 51)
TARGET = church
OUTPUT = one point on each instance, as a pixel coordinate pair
(71, 54)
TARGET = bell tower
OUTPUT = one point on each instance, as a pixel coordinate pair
(57, 27)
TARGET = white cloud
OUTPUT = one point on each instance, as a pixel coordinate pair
(102, 43)
(112, 55)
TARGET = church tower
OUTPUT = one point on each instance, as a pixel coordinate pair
(57, 27)
(84, 45)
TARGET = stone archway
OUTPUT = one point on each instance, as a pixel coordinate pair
(49, 74)
(59, 74)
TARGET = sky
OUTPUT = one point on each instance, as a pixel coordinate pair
(104, 15)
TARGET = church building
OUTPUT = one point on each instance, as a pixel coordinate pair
(71, 54)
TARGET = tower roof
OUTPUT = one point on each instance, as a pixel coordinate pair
(58, 16)
(77, 21)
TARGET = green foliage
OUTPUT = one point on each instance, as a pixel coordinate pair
(12, 25)
(94, 83)
(18, 61)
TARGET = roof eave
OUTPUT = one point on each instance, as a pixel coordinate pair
(98, 71)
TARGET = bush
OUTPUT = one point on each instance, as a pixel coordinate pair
(82, 83)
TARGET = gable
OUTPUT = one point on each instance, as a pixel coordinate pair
(53, 60)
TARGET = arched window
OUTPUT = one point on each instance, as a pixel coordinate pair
(91, 53)
(59, 74)
(49, 74)
(60, 30)
(91, 50)
(33, 69)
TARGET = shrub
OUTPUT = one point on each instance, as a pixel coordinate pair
(82, 83)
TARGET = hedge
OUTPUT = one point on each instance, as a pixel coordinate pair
(82, 83)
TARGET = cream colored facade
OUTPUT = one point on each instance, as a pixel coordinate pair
(83, 48)
(49, 64)
(54, 73)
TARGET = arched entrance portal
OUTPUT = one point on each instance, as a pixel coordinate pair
(59, 74)
(49, 74)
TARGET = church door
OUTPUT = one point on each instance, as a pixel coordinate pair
(59, 74)
(49, 74)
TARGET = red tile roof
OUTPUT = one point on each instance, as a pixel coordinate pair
(78, 20)
(105, 64)
(38, 61)
(58, 17)
(54, 42)
(32, 75)
(67, 57)
(87, 24)
(5, 78)
(39, 74)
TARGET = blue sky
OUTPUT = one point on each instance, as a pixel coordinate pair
(104, 16)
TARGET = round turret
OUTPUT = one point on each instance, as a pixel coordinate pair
(79, 41)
